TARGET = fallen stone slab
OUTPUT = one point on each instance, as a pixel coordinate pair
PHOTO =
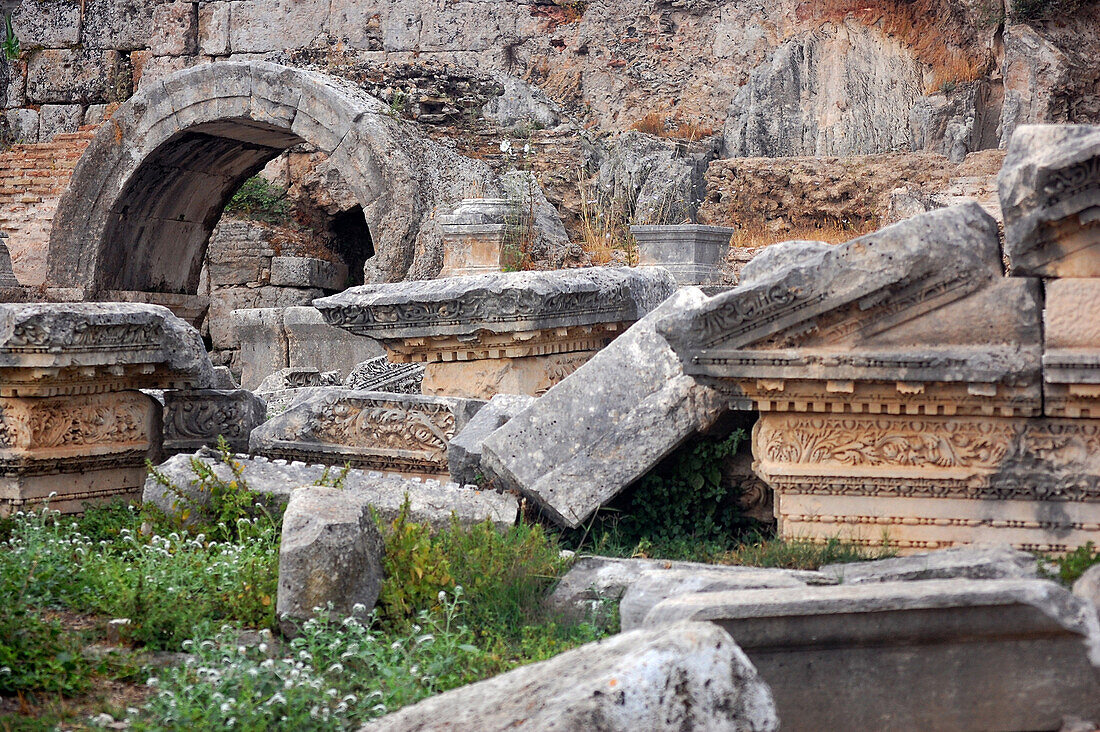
(405, 433)
(1087, 586)
(592, 581)
(653, 586)
(971, 562)
(297, 378)
(686, 676)
(955, 654)
(606, 425)
(378, 374)
(464, 449)
(430, 502)
(330, 556)
(1050, 194)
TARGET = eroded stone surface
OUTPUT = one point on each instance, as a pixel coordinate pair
(464, 449)
(1071, 347)
(379, 430)
(692, 253)
(378, 374)
(685, 676)
(331, 553)
(971, 562)
(1050, 194)
(955, 654)
(605, 425)
(198, 417)
(431, 502)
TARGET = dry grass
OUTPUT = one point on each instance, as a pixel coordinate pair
(834, 232)
(675, 126)
(605, 226)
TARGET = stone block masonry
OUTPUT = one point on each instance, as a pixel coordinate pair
(32, 179)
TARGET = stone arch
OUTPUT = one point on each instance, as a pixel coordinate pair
(147, 193)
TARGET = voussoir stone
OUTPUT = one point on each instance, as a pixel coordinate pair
(604, 426)
(431, 502)
(971, 562)
(330, 554)
(687, 676)
(958, 654)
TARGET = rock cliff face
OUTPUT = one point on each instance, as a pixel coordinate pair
(783, 77)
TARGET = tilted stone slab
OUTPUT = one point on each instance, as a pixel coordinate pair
(430, 502)
(687, 676)
(464, 449)
(606, 425)
(969, 562)
(330, 556)
(1050, 195)
(379, 430)
(497, 303)
(848, 313)
(198, 417)
(950, 655)
(85, 348)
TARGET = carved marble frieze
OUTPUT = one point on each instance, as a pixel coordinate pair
(196, 418)
(380, 374)
(1050, 195)
(497, 303)
(1038, 479)
(516, 344)
(383, 431)
(86, 348)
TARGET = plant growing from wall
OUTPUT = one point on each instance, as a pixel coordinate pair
(11, 42)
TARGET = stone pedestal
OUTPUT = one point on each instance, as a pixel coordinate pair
(692, 253)
(520, 332)
(72, 422)
(476, 234)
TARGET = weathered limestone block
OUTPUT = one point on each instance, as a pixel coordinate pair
(378, 374)
(944, 654)
(1087, 586)
(83, 448)
(464, 449)
(308, 272)
(430, 501)
(684, 676)
(85, 348)
(604, 426)
(47, 24)
(263, 344)
(474, 235)
(56, 119)
(399, 432)
(523, 330)
(924, 482)
(656, 585)
(297, 378)
(331, 553)
(311, 343)
(1071, 348)
(1050, 194)
(997, 561)
(693, 253)
(198, 417)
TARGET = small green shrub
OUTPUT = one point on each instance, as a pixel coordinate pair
(1075, 563)
(416, 569)
(259, 200)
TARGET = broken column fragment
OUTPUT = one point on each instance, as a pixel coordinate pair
(403, 433)
(893, 372)
(955, 654)
(605, 426)
(72, 421)
(686, 676)
(514, 333)
(1050, 194)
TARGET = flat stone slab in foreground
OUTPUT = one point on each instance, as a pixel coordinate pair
(430, 501)
(686, 676)
(606, 425)
(997, 561)
(942, 654)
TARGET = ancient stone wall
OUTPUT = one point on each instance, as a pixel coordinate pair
(32, 179)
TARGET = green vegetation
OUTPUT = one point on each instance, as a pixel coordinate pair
(1075, 563)
(259, 200)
